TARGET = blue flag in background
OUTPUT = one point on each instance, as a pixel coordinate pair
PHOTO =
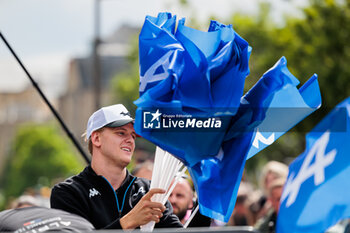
(199, 77)
(222, 174)
(316, 194)
(288, 106)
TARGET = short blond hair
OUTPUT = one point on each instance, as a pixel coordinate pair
(89, 139)
(278, 169)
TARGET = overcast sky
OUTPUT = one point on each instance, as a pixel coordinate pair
(47, 33)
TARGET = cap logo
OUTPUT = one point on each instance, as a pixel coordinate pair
(125, 114)
(107, 115)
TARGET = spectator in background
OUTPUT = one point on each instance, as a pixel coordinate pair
(143, 170)
(25, 201)
(183, 203)
(271, 171)
(241, 215)
(256, 202)
(181, 200)
(268, 223)
(37, 197)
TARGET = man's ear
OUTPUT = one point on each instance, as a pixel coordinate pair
(96, 138)
(191, 204)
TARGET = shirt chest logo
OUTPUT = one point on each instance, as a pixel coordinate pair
(141, 190)
(93, 192)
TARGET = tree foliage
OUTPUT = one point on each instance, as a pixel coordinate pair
(39, 155)
(318, 43)
(125, 85)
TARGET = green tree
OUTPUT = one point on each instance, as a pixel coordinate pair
(39, 155)
(125, 85)
(125, 90)
(320, 43)
(317, 42)
(266, 38)
(258, 30)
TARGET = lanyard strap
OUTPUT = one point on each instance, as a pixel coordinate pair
(116, 197)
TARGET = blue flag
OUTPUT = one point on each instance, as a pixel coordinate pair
(189, 73)
(316, 194)
(274, 96)
(195, 71)
(191, 104)
(284, 112)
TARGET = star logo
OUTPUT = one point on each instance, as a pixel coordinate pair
(151, 120)
(156, 115)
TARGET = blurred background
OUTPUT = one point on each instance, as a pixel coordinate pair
(84, 54)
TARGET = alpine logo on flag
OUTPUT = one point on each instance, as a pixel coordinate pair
(315, 196)
(151, 74)
(260, 138)
(314, 165)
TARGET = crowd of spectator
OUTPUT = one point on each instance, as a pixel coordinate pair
(87, 196)
(256, 205)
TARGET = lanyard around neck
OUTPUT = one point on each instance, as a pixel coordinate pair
(116, 197)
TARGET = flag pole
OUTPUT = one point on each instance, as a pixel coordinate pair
(36, 86)
(194, 212)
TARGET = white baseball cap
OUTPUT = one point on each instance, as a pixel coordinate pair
(111, 116)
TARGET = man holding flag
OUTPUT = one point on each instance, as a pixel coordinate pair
(105, 193)
(200, 75)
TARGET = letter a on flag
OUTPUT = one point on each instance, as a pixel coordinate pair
(316, 194)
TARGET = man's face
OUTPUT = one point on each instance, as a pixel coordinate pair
(275, 197)
(117, 144)
(270, 176)
(181, 199)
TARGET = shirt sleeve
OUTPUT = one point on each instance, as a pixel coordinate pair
(67, 199)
